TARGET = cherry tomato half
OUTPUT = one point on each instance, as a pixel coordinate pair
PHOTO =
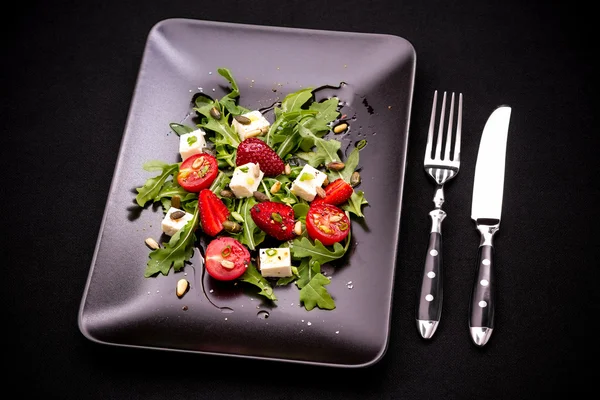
(198, 172)
(327, 223)
(226, 258)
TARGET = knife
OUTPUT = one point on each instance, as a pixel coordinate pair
(486, 211)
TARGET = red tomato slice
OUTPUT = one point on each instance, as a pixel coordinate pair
(198, 172)
(226, 258)
(327, 223)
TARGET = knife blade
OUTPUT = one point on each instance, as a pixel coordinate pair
(486, 211)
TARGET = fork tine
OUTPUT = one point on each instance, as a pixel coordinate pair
(458, 129)
(431, 128)
(438, 146)
(449, 132)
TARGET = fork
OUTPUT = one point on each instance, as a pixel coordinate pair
(431, 293)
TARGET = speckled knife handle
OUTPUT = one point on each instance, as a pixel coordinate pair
(431, 291)
(483, 302)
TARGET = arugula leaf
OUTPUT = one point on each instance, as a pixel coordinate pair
(295, 101)
(219, 126)
(153, 186)
(251, 234)
(181, 129)
(350, 165)
(303, 247)
(315, 294)
(325, 151)
(174, 253)
(229, 101)
(253, 276)
(307, 270)
(355, 203)
(327, 113)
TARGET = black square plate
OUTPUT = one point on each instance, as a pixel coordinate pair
(121, 307)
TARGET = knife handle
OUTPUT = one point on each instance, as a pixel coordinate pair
(482, 307)
(431, 291)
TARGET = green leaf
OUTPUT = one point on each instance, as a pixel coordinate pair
(181, 129)
(226, 134)
(303, 247)
(252, 235)
(176, 252)
(327, 113)
(253, 277)
(349, 165)
(307, 270)
(355, 203)
(153, 186)
(315, 294)
(295, 101)
(229, 101)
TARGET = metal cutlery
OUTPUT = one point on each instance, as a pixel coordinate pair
(441, 169)
(486, 210)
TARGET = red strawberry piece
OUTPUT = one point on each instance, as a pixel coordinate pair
(212, 212)
(336, 193)
(275, 219)
(256, 151)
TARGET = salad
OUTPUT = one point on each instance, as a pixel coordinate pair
(273, 201)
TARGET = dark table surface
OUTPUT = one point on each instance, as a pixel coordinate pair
(68, 73)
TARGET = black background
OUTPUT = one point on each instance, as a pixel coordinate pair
(68, 71)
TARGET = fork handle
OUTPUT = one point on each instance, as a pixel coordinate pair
(431, 291)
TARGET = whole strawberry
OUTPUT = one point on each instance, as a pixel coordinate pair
(256, 151)
(275, 219)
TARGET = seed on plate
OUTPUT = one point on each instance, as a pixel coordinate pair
(232, 226)
(175, 215)
(276, 186)
(182, 287)
(298, 228)
(260, 196)
(243, 120)
(152, 243)
(288, 169)
(355, 178)
(176, 201)
(227, 264)
(321, 192)
(215, 113)
(336, 166)
(227, 194)
(340, 128)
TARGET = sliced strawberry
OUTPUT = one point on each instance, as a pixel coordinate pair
(212, 212)
(256, 151)
(275, 219)
(336, 193)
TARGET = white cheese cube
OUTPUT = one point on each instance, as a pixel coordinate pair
(245, 180)
(171, 226)
(191, 143)
(258, 122)
(305, 185)
(275, 262)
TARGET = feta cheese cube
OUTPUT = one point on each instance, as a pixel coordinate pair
(245, 179)
(305, 185)
(170, 226)
(275, 262)
(191, 143)
(258, 123)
